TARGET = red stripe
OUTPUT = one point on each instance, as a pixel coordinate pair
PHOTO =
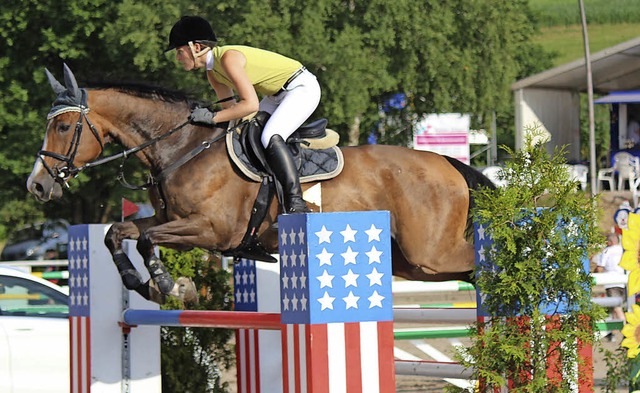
(239, 382)
(78, 353)
(256, 357)
(296, 357)
(386, 363)
(353, 357)
(285, 359)
(318, 358)
(554, 361)
(72, 347)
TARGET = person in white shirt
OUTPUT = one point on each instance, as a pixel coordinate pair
(609, 261)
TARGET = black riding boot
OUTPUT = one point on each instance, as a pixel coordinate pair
(281, 163)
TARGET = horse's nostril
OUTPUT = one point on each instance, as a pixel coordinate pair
(37, 189)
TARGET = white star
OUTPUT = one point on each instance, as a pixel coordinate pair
(375, 300)
(252, 278)
(303, 280)
(324, 257)
(285, 281)
(71, 261)
(303, 303)
(350, 279)
(303, 259)
(85, 242)
(349, 256)
(285, 258)
(374, 255)
(244, 278)
(324, 235)
(283, 238)
(349, 234)
(301, 236)
(481, 250)
(285, 302)
(325, 279)
(237, 277)
(292, 237)
(351, 300)
(374, 277)
(293, 258)
(71, 246)
(295, 303)
(245, 296)
(238, 296)
(252, 295)
(73, 300)
(326, 301)
(480, 232)
(294, 281)
(85, 261)
(373, 233)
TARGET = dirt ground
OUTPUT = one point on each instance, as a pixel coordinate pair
(609, 203)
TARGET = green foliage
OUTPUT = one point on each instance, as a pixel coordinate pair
(567, 12)
(202, 354)
(618, 369)
(542, 231)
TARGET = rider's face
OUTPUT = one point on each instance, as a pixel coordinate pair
(185, 57)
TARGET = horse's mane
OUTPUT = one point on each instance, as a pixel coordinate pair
(147, 90)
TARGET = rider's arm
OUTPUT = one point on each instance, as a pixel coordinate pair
(234, 63)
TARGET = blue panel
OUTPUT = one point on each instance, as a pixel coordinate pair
(245, 287)
(79, 284)
(336, 267)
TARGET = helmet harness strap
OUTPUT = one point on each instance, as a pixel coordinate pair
(198, 54)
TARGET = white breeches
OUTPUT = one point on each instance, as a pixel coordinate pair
(291, 108)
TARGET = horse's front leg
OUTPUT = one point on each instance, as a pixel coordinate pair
(184, 233)
(130, 276)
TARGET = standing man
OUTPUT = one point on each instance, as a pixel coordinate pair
(290, 94)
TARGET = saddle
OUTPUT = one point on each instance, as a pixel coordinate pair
(317, 157)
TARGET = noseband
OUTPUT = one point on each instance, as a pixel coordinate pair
(61, 174)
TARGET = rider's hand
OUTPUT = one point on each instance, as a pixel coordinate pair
(202, 116)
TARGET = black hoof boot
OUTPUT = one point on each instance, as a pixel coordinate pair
(128, 273)
(160, 275)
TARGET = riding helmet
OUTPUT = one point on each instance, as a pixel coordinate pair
(190, 28)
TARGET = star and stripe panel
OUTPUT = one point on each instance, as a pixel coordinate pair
(245, 285)
(79, 309)
(335, 267)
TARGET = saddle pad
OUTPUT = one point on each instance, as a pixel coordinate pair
(316, 164)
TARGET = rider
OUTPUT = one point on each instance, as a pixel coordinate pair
(290, 93)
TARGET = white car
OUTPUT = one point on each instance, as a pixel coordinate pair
(34, 334)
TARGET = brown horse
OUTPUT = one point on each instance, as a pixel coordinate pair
(206, 201)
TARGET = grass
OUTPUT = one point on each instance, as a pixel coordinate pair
(566, 41)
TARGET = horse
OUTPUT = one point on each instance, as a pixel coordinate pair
(205, 201)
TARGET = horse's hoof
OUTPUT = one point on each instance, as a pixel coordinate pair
(187, 291)
(155, 295)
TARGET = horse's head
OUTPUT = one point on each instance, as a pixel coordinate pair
(66, 148)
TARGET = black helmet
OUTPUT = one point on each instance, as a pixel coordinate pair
(191, 28)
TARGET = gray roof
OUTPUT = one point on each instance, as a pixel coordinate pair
(615, 68)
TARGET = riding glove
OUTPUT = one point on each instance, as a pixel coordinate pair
(202, 116)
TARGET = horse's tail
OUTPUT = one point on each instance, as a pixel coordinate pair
(475, 179)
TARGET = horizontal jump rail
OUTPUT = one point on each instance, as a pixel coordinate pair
(433, 369)
(202, 318)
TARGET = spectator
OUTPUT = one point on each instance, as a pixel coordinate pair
(609, 262)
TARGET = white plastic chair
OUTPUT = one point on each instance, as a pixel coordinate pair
(607, 175)
(628, 167)
(494, 173)
(579, 173)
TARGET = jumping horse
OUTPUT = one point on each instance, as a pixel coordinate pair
(206, 201)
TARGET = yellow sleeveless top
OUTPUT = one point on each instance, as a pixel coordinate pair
(268, 71)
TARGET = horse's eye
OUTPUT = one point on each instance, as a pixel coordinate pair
(63, 127)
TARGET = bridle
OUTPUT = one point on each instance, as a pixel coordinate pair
(61, 174)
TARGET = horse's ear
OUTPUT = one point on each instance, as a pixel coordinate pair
(70, 82)
(55, 85)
